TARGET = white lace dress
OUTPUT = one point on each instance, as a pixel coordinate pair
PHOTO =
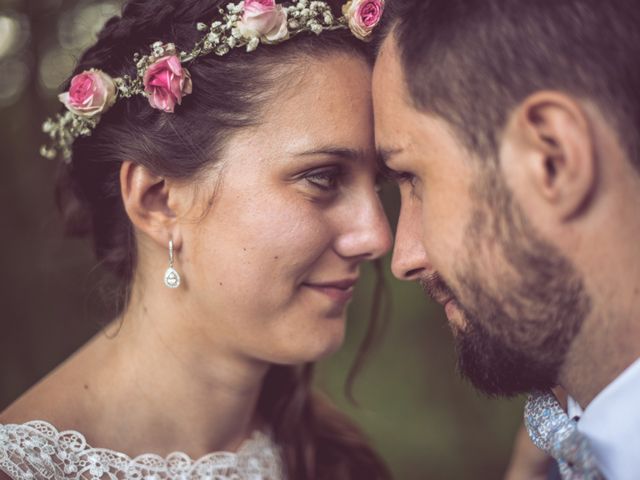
(36, 450)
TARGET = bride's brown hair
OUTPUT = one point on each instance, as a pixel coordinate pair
(318, 442)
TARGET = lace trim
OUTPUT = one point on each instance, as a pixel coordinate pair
(36, 450)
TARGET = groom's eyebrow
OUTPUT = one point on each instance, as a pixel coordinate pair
(385, 155)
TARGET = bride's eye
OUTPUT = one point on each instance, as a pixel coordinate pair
(325, 178)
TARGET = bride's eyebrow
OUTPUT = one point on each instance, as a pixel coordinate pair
(334, 151)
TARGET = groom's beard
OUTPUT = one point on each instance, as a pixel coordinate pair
(521, 311)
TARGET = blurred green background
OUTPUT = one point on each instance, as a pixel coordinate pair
(426, 421)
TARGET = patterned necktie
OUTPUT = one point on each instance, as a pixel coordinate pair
(552, 431)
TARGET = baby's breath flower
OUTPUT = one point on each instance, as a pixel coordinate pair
(253, 44)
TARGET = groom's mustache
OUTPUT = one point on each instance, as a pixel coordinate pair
(436, 288)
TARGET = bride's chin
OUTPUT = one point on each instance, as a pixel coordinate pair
(319, 346)
(329, 349)
(326, 349)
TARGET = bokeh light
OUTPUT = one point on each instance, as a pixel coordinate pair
(13, 78)
(55, 66)
(9, 34)
(14, 70)
(76, 30)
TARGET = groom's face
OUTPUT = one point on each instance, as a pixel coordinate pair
(513, 301)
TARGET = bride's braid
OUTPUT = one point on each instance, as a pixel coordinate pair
(318, 442)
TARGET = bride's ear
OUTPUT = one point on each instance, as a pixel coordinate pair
(149, 201)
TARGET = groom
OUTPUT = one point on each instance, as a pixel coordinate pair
(513, 130)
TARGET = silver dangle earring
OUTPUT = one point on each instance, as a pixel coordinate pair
(171, 277)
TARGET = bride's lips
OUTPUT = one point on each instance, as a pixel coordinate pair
(340, 291)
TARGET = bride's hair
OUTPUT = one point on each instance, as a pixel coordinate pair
(318, 442)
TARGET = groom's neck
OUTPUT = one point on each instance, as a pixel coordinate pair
(607, 344)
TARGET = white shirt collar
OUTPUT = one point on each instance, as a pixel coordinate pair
(611, 422)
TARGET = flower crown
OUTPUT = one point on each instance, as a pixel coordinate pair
(164, 81)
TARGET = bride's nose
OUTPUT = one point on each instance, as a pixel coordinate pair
(365, 232)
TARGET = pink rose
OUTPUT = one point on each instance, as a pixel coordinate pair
(363, 16)
(265, 20)
(91, 92)
(166, 82)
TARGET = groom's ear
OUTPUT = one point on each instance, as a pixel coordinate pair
(547, 154)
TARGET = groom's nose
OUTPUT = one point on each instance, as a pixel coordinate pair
(410, 260)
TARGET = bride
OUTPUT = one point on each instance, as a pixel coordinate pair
(226, 175)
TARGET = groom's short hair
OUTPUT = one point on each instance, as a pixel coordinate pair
(472, 62)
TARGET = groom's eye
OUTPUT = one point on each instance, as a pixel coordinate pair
(403, 177)
(399, 177)
(381, 180)
(406, 178)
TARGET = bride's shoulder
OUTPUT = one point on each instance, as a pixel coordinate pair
(52, 399)
(34, 404)
(55, 397)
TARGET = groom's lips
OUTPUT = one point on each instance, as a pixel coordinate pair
(454, 314)
(441, 299)
(449, 304)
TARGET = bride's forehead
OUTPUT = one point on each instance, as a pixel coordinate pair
(328, 82)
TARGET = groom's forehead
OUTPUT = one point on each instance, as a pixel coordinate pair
(388, 68)
(396, 119)
(391, 99)
(387, 115)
